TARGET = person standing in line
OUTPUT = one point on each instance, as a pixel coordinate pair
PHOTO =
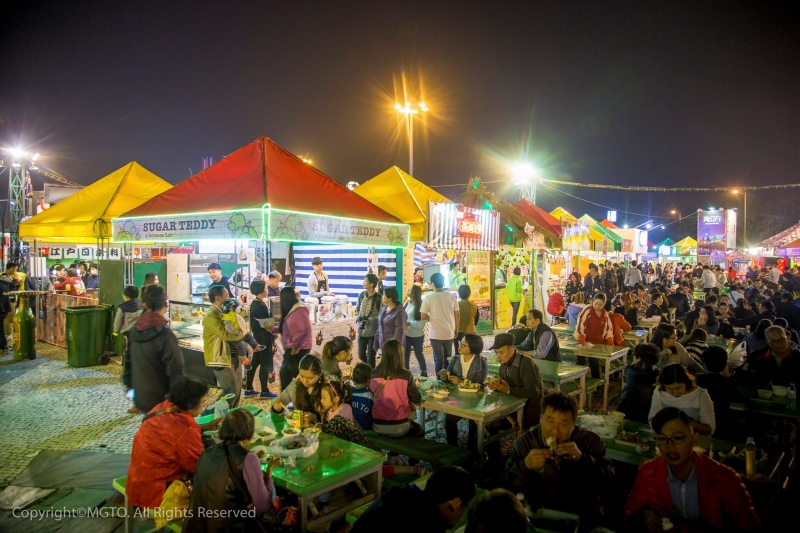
(368, 307)
(381, 277)
(8, 283)
(295, 332)
(514, 291)
(216, 350)
(318, 283)
(392, 320)
(415, 329)
(633, 275)
(262, 359)
(441, 309)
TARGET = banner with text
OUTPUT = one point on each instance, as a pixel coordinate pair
(307, 227)
(711, 231)
(241, 224)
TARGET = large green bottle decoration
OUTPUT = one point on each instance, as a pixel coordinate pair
(24, 330)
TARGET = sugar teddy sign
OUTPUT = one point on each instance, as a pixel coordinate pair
(308, 227)
(242, 224)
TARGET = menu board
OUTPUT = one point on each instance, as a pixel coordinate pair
(479, 268)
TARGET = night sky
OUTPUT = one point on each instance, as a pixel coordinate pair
(630, 93)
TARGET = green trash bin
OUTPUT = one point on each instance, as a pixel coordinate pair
(87, 330)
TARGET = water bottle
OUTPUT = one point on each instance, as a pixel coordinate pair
(750, 457)
(221, 406)
(792, 396)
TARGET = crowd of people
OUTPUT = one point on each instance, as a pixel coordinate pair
(676, 382)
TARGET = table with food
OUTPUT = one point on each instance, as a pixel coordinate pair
(313, 462)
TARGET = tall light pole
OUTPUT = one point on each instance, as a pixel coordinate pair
(21, 161)
(526, 175)
(409, 111)
(744, 191)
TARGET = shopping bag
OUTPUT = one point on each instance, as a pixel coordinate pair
(737, 355)
(174, 503)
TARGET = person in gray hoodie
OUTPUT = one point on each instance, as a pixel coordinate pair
(155, 361)
(127, 314)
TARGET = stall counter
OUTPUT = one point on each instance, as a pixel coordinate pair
(50, 321)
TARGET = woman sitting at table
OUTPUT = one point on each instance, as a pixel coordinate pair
(395, 389)
(640, 379)
(671, 351)
(695, 343)
(619, 324)
(575, 307)
(707, 320)
(167, 444)
(468, 364)
(678, 388)
(758, 338)
(657, 308)
(229, 478)
(303, 392)
(627, 309)
(337, 350)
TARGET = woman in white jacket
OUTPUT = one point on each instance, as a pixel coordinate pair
(677, 388)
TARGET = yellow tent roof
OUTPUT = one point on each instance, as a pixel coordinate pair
(400, 195)
(598, 232)
(561, 214)
(688, 241)
(75, 219)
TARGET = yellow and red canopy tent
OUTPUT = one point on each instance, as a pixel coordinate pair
(85, 216)
(685, 246)
(402, 196)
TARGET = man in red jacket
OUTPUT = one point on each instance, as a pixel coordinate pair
(594, 326)
(684, 488)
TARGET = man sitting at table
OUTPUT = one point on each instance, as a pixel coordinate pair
(686, 488)
(777, 362)
(542, 342)
(519, 377)
(560, 466)
(407, 508)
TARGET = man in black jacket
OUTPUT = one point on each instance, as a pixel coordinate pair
(777, 363)
(560, 466)
(680, 300)
(406, 508)
(542, 342)
(786, 309)
(156, 361)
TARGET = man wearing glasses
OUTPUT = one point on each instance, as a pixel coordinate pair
(777, 362)
(684, 491)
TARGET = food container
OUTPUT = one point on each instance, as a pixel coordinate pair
(469, 391)
(619, 416)
(764, 394)
(265, 434)
(604, 432)
(611, 425)
(312, 431)
(439, 393)
(780, 391)
(291, 432)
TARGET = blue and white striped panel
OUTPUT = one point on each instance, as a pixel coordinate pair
(345, 265)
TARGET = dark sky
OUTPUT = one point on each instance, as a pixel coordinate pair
(632, 93)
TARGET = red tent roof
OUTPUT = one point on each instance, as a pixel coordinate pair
(793, 244)
(258, 173)
(608, 224)
(542, 217)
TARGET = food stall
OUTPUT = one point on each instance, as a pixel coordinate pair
(277, 199)
(79, 228)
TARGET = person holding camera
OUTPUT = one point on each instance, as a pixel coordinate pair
(368, 307)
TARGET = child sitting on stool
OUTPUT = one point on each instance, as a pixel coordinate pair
(235, 324)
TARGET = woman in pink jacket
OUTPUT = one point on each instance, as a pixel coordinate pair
(295, 332)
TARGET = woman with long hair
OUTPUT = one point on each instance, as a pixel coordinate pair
(708, 320)
(695, 343)
(303, 391)
(395, 390)
(758, 338)
(575, 307)
(295, 331)
(743, 309)
(415, 328)
(337, 350)
(627, 309)
(665, 336)
(678, 388)
(392, 319)
(574, 285)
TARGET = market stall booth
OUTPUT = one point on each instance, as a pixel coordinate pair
(780, 249)
(263, 196)
(522, 240)
(406, 198)
(78, 228)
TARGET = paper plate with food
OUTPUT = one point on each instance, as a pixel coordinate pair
(469, 386)
(628, 438)
(439, 393)
(264, 434)
(493, 381)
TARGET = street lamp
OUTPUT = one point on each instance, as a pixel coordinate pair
(744, 191)
(21, 162)
(409, 111)
(525, 176)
